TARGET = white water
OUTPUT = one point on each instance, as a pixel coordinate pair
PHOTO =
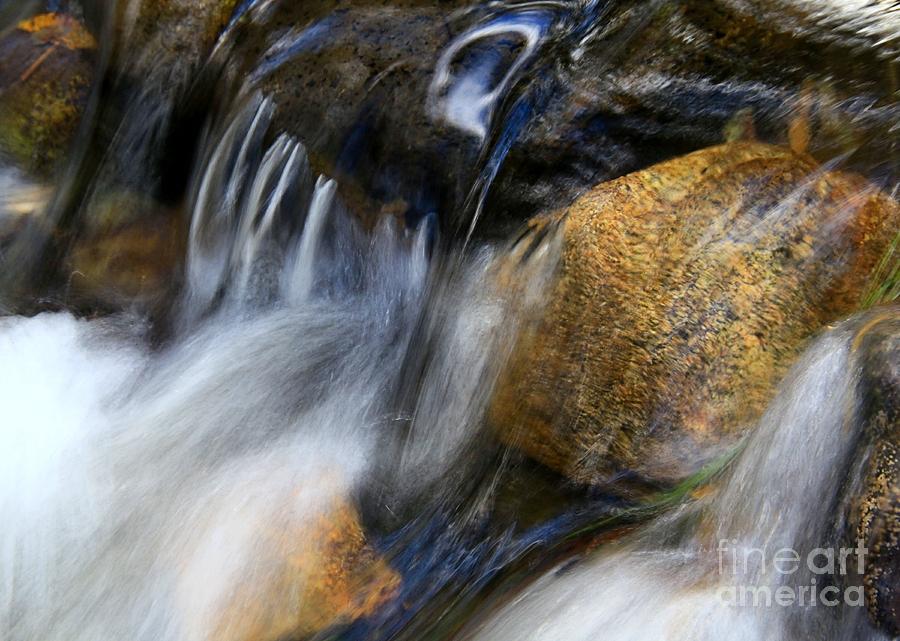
(136, 484)
(675, 583)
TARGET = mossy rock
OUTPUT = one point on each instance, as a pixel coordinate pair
(683, 294)
(44, 86)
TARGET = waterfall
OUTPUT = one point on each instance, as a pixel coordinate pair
(135, 482)
(256, 310)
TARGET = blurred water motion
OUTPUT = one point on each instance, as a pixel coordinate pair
(254, 316)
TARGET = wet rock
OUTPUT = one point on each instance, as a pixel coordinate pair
(129, 255)
(163, 31)
(857, 26)
(44, 85)
(352, 83)
(654, 82)
(323, 573)
(170, 33)
(409, 102)
(876, 511)
(155, 94)
(683, 293)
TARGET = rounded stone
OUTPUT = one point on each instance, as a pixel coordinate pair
(683, 294)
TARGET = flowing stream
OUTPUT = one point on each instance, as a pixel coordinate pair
(136, 482)
(315, 359)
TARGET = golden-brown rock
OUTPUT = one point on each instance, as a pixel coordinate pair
(683, 293)
(323, 573)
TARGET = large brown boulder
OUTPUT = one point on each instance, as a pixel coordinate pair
(683, 293)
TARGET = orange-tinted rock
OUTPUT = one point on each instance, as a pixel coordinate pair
(323, 573)
(683, 294)
(60, 29)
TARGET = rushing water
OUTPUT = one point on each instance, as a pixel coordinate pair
(136, 482)
(311, 357)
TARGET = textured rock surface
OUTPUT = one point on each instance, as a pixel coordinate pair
(877, 514)
(658, 80)
(353, 81)
(45, 79)
(684, 292)
(174, 32)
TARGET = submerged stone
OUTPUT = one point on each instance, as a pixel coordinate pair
(683, 294)
(129, 255)
(323, 573)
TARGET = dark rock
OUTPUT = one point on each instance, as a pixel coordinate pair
(875, 516)
(605, 90)
(44, 86)
(352, 82)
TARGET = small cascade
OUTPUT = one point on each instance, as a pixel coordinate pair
(246, 196)
(151, 473)
(742, 564)
(300, 274)
(413, 321)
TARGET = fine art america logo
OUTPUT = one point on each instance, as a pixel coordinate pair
(788, 578)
